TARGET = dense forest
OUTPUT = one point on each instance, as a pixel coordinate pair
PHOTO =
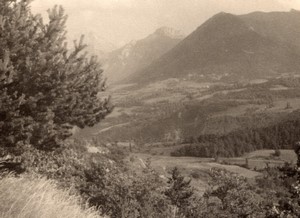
(234, 144)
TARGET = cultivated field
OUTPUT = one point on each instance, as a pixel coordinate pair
(198, 168)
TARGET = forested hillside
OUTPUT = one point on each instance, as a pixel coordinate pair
(279, 136)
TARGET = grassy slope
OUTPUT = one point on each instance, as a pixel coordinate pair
(39, 198)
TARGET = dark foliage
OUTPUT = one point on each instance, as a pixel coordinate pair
(281, 135)
(179, 192)
(45, 88)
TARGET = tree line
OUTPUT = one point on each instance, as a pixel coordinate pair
(276, 136)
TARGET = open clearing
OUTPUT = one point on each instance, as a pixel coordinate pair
(285, 155)
(191, 166)
(279, 106)
(198, 168)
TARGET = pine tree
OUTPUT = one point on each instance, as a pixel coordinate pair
(45, 88)
(179, 191)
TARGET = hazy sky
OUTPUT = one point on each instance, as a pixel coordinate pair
(120, 21)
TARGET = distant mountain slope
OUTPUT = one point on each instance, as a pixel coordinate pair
(281, 26)
(232, 47)
(134, 56)
(96, 44)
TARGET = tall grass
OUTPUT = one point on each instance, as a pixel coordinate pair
(25, 197)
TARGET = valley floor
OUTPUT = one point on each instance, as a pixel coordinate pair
(198, 168)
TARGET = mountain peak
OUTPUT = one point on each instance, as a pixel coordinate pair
(294, 10)
(221, 15)
(137, 55)
(231, 47)
(168, 32)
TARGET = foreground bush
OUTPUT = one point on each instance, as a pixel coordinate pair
(35, 198)
(109, 185)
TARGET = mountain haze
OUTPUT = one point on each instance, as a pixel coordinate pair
(232, 47)
(136, 55)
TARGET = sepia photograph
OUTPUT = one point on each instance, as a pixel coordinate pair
(149, 108)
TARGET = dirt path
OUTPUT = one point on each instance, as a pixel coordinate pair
(108, 128)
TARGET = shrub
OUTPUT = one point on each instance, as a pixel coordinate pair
(195, 175)
(179, 191)
(238, 197)
(277, 153)
(106, 184)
